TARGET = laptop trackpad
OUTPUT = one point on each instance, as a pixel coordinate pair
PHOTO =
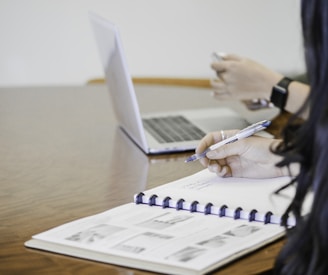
(222, 123)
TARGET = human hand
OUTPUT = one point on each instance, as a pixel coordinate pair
(247, 158)
(241, 77)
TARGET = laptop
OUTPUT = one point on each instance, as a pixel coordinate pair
(155, 133)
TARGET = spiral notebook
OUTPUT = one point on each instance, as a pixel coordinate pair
(190, 226)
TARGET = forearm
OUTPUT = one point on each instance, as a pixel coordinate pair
(298, 92)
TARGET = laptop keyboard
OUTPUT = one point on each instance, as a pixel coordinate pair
(172, 129)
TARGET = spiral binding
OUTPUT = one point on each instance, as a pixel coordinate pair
(152, 200)
(179, 205)
(267, 218)
(237, 213)
(223, 210)
(140, 198)
(252, 215)
(193, 206)
(208, 208)
(166, 202)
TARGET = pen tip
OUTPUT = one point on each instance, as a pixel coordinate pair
(267, 123)
(192, 158)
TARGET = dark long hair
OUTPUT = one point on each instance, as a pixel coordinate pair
(306, 249)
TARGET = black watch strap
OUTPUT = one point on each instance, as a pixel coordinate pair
(279, 93)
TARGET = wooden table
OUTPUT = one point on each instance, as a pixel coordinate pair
(63, 157)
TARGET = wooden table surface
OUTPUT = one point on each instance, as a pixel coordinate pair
(63, 157)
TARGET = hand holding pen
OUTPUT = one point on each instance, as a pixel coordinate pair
(246, 132)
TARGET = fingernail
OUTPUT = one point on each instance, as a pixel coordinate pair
(214, 168)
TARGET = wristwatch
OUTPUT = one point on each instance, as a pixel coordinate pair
(279, 93)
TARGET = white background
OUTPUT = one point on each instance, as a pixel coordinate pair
(51, 42)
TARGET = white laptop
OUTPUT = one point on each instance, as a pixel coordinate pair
(152, 133)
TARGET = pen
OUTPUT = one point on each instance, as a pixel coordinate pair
(246, 132)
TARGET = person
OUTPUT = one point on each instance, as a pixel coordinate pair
(304, 144)
(238, 76)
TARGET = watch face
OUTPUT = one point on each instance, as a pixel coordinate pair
(279, 89)
(279, 96)
(280, 93)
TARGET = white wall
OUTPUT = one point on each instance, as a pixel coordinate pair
(51, 43)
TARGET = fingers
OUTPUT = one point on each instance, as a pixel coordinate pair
(220, 161)
(213, 166)
(219, 67)
(225, 172)
(223, 65)
(220, 168)
(215, 162)
(231, 57)
(207, 141)
(226, 57)
(210, 139)
(220, 89)
(221, 84)
(217, 84)
(227, 150)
